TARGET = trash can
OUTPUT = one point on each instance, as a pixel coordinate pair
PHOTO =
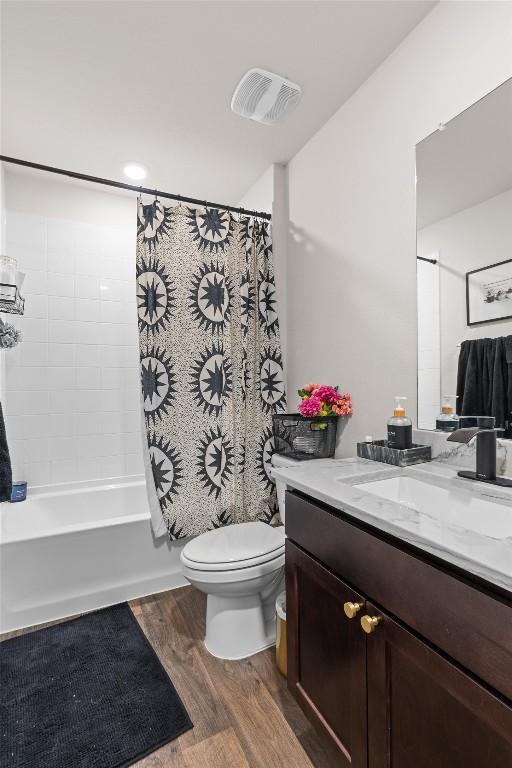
(281, 633)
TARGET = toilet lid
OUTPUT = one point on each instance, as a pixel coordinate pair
(235, 545)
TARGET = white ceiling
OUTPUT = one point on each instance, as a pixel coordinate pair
(88, 86)
(468, 162)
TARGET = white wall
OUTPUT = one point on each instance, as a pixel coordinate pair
(473, 238)
(351, 283)
(71, 393)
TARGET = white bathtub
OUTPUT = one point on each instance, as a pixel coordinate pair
(78, 547)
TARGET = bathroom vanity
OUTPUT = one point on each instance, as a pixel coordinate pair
(400, 616)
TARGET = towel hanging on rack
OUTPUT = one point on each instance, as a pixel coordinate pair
(484, 379)
(5, 463)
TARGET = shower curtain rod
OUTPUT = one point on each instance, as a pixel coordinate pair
(132, 187)
(423, 258)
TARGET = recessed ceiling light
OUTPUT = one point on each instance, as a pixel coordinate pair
(135, 171)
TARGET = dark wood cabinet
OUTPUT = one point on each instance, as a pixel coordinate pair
(389, 698)
(423, 711)
(326, 655)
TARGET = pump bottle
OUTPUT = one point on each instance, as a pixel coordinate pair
(399, 427)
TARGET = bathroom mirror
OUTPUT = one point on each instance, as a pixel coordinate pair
(464, 266)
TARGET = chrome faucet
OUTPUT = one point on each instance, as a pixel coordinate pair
(485, 454)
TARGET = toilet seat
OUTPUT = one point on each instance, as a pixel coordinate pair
(234, 548)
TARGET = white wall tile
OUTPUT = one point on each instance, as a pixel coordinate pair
(87, 310)
(62, 401)
(61, 332)
(60, 285)
(61, 354)
(111, 400)
(72, 401)
(20, 379)
(59, 377)
(90, 264)
(88, 378)
(25, 402)
(63, 261)
(88, 446)
(61, 424)
(112, 378)
(28, 257)
(123, 357)
(88, 401)
(110, 289)
(36, 306)
(111, 334)
(61, 235)
(134, 464)
(111, 312)
(112, 422)
(36, 282)
(87, 355)
(61, 308)
(33, 329)
(131, 421)
(88, 469)
(88, 423)
(61, 448)
(34, 473)
(63, 471)
(112, 466)
(87, 333)
(33, 353)
(87, 287)
(26, 229)
(112, 267)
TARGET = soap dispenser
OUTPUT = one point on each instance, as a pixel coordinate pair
(399, 427)
(447, 421)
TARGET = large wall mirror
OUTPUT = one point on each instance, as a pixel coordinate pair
(464, 249)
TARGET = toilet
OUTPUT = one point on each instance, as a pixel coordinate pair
(241, 570)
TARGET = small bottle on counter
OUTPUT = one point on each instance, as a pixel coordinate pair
(399, 427)
(447, 421)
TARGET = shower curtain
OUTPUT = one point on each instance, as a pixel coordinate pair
(211, 367)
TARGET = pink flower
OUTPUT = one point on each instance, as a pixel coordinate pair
(343, 407)
(310, 387)
(327, 394)
(310, 407)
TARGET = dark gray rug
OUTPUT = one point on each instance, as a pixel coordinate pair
(89, 693)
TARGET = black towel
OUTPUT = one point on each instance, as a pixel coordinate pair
(483, 380)
(5, 462)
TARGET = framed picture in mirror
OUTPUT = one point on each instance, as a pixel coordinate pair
(489, 293)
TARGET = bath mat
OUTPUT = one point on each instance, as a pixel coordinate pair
(89, 693)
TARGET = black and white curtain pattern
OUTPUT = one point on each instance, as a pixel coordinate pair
(211, 367)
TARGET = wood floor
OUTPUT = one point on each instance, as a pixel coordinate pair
(243, 714)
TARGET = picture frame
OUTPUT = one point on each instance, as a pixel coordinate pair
(489, 293)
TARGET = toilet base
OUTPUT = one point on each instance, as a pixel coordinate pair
(240, 626)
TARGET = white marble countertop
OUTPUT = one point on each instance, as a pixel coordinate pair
(458, 543)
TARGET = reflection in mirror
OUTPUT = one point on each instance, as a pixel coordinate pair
(464, 249)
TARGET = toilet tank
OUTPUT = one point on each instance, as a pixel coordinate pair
(282, 461)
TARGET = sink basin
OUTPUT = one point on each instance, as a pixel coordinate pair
(441, 505)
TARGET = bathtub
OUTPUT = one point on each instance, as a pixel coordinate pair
(74, 548)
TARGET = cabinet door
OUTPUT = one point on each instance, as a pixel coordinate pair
(326, 655)
(423, 711)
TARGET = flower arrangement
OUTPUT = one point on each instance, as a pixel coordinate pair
(323, 400)
(9, 335)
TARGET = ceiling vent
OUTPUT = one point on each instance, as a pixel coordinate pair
(264, 96)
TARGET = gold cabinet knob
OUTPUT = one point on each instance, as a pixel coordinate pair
(369, 623)
(351, 609)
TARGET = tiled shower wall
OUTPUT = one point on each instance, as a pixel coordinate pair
(71, 388)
